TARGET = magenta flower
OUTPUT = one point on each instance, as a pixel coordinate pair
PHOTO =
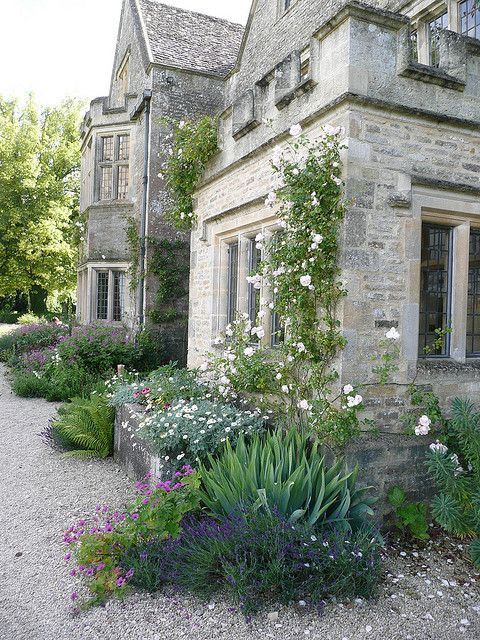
(74, 596)
(146, 501)
(129, 574)
(67, 556)
(146, 391)
(73, 573)
(134, 516)
(120, 582)
(101, 566)
(108, 527)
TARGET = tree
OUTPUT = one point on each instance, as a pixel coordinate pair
(39, 197)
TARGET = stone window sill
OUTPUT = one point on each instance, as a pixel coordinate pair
(301, 88)
(447, 365)
(432, 75)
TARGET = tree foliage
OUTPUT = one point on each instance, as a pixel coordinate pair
(39, 196)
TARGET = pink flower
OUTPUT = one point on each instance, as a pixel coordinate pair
(120, 582)
(146, 391)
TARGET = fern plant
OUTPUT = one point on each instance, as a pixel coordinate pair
(286, 473)
(456, 473)
(85, 425)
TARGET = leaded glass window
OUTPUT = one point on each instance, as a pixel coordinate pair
(232, 288)
(254, 259)
(469, 18)
(473, 305)
(435, 288)
(434, 28)
(102, 295)
(118, 295)
(113, 167)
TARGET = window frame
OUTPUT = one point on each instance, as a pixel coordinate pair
(110, 293)
(115, 164)
(459, 20)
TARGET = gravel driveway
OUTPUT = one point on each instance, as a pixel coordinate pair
(425, 595)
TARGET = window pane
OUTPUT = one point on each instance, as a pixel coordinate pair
(122, 182)
(469, 18)
(107, 149)
(287, 4)
(254, 259)
(106, 183)
(473, 306)
(305, 64)
(118, 295)
(435, 292)
(278, 331)
(123, 147)
(414, 46)
(102, 295)
(232, 282)
(434, 27)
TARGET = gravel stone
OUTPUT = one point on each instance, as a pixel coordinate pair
(43, 493)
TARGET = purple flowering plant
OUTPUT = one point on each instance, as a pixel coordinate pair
(97, 544)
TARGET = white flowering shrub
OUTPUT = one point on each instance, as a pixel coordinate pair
(188, 431)
(301, 274)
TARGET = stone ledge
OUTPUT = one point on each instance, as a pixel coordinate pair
(432, 75)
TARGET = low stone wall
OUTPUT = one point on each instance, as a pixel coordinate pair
(130, 451)
(385, 460)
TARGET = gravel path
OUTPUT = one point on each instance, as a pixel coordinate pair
(425, 595)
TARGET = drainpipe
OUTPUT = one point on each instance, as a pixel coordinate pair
(143, 106)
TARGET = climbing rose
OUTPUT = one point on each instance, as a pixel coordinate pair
(305, 281)
(424, 421)
(392, 334)
(249, 351)
(296, 130)
(303, 404)
(347, 389)
(354, 401)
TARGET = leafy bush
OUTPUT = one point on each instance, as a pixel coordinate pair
(57, 382)
(410, 516)
(8, 316)
(99, 542)
(456, 473)
(99, 348)
(190, 430)
(259, 557)
(26, 338)
(163, 386)
(29, 318)
(285, 472)
(85, 427)
(29, 385)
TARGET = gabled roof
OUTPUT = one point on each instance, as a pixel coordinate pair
(189, 40)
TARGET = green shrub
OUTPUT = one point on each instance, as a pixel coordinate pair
(190, 430)
(67, 381)
(285, 472)
(29, 318)
(8, 316)
(32, 337)
(410, 516)
(29, 385)
(259, 558)
(456, 473)
(85, 426)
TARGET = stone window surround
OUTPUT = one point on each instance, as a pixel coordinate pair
(99, 134)
(124, 65)
(229, 233)
(462, 212)
(423, 15)
(87, 276)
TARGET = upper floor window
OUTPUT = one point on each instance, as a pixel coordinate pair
(123, 77)
(113, 167)
(469, 18)
(434, 26)
(473, 305)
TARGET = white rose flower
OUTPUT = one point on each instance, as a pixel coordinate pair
(278, 376)
(301, 347)
(303, 404)
(317, 238)
(354, 401)
(392, 334)
(271, 199)
(347, 389)
(296, 130)
(249, 351)
(424, 421)
(285, 388)
(260, 332)
(420, 430)
(305, 281)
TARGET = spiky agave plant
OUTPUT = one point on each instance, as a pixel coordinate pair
(456, 473)
(86, 426)
(285, 472)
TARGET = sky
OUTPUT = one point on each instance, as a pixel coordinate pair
(65, 48)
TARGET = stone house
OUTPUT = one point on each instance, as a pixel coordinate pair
(403, 80)
(169, 64)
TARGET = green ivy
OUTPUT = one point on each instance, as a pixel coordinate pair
(193, 145)
(133, 242)
(170, 264)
